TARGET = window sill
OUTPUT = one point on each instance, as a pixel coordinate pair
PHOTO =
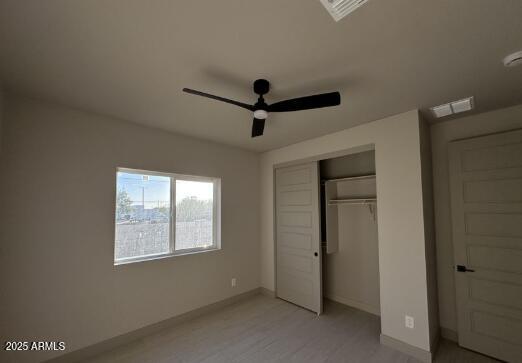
(162, 256)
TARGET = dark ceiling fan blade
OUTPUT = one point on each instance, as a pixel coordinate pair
(257, 127)
(306, 103)
(222, 99)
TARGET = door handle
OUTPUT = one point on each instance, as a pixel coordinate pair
(461, 268)
(316, 254)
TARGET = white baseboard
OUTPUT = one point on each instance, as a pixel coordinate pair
(418, 353)
(375, 310)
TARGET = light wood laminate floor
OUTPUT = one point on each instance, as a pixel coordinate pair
(262, 329)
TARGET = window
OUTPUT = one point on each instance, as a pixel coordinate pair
(160, 214)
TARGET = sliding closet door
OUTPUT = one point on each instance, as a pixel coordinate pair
(298, 246)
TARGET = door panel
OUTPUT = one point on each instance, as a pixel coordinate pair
(486, 206)
(295, 240)
(295, 219)
(496, 292)
(506, 330)
(493, 191)
(492, 157)
(495, 258)
(494, 224)
(298, 270)
(301, 197)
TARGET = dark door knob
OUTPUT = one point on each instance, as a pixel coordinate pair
(461, 268)
(316, 254)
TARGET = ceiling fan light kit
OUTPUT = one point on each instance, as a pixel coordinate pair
(261, 109)
(260, 114)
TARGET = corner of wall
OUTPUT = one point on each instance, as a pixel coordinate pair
(429, 230)
(259, 216)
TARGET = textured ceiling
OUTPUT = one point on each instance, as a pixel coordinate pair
(131, 58)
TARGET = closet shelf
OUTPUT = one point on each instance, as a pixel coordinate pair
(352, 201)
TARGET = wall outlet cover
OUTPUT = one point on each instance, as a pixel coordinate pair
(234, 282)
(409, 322)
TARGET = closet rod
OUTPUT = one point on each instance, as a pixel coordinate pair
(352, 201)
(360, 177)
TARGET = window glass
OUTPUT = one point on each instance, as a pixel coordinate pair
(142, 215)
(159, 215)
(194, 214)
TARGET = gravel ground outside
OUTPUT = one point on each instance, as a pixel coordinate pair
(142, 239)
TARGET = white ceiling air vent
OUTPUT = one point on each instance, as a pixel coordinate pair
(338, 9)
(454, 107)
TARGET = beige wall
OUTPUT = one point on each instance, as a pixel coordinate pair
(57, 193)
(352, 273)
(402, 262)
(441, 134)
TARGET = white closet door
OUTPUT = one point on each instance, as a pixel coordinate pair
(298, 245)
(486, 201)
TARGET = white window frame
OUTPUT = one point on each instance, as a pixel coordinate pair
(216, 216)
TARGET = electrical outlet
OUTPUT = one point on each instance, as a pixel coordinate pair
(409, 322)
(233, 282)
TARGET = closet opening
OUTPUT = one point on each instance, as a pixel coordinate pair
(348, 229)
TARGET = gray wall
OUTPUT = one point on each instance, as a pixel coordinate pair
(441, 134)
(57, 196)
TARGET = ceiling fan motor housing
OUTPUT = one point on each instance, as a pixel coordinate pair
(261, 87)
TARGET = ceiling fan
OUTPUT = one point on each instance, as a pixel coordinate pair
(261, 108)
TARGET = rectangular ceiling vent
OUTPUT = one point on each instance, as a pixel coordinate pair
(338, 9)
(452, 108)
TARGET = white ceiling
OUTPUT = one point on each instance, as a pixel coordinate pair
(131, 58)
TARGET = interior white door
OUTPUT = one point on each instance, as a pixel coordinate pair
(298, 245)
(486, 205)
